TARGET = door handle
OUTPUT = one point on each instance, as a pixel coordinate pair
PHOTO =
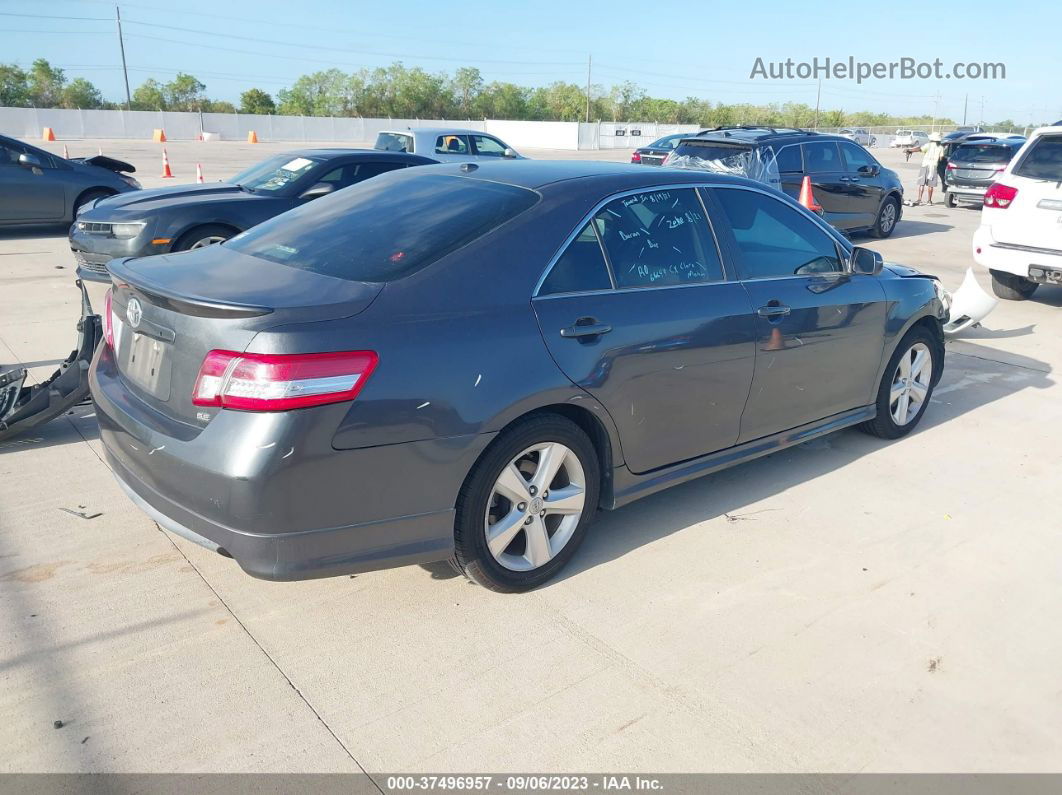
(585, 327)
(773, 309)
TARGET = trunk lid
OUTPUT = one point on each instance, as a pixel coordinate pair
(169, 311)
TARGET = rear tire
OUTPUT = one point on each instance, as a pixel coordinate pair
(950, 200)
(203, 236)
(1011, 287)
(533, 532)
(907, 384)
(888, 215)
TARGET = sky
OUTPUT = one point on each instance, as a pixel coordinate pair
(702, 48)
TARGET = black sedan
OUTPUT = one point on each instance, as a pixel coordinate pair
(37, 187)
(655, 153)
(465, 362)
(192, 216)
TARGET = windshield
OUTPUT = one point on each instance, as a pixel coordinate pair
(276, 173)
(983, 153)
(394, 142)
(385, 228)
(726, 158)
(1043, 160)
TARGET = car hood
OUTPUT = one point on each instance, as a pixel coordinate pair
(142, 201)
(108, 163)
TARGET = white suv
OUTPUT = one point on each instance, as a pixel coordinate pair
(1020, 237)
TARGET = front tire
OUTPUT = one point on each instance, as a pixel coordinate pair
(1012, 287)
(203, 236)
(907, 384)
(888, 215)
(525, 506)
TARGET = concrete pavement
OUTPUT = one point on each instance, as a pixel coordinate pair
(847, 605)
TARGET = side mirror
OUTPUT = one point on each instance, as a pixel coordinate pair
(866, 261)
(318, 190)
(29, 161)
(508, 153)
(870, 171)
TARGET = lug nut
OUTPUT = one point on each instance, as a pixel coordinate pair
(543, 512)
(522, 506)
(533, 491)
(529, 519)
(545, 495)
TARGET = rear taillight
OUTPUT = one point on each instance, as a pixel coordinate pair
(636, 157)
(108, 319)
(952, 166)
(1000, 195)
(277, 382)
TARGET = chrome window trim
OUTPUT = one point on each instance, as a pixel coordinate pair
(588, 217)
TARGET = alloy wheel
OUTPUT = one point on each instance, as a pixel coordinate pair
(911, 383)
(888, 217)
(209, 240)
(535, 506)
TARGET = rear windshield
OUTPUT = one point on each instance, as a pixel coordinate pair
(1043, 160)
(394, 142)
(385, 228)
(983, 153)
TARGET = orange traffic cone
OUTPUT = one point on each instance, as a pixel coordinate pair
(66, 154)
(166, 173)
(776, 342)
(252, 137)
(48, 134)
(159, 136)
(199, 173)
(807, 196)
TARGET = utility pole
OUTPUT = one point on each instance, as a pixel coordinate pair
(589, 62)
(982, 110)
(818, 95)
(121, 46)
(965, 103)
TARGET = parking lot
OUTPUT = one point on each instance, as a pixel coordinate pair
(848, 605)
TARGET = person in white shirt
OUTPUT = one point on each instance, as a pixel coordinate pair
(932, 153)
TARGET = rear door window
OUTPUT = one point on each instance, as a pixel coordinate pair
(821, 157)
(380, 230)
(452, 145)
(775, 240)
(581, 268)
(1043, 160)
(659, 239)
(788, 159)
(394, 142)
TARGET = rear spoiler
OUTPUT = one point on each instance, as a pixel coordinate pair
(108, 163)
(185, 304)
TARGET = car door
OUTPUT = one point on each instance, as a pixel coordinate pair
(863, 177)
(822, 162)
(29, 193)
(820, 329)
(638, 311)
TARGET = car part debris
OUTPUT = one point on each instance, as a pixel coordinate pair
(81, 514)
(970, 304)
(23, 407)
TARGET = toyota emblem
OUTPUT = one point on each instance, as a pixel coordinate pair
(133, 312)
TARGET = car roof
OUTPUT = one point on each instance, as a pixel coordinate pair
(340, 152)
(538, 174)
(763, 135)
(436, 131)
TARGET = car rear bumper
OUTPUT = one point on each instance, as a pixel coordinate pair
(268, 489)
(971, 192)
(1030, 262)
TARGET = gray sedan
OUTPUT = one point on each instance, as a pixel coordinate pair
(465, 362)
(446, 144)
(39, 188)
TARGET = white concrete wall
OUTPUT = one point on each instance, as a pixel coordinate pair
(536, 134)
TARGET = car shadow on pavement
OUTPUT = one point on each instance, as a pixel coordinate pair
(33, 232)
(971, 379)
(910, 228)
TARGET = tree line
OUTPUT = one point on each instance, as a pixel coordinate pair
(398, 91)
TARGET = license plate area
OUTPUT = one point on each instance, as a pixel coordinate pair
(145, 361)
(1040, 273)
